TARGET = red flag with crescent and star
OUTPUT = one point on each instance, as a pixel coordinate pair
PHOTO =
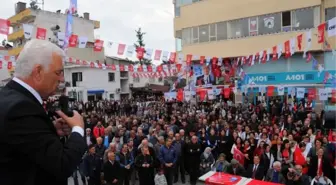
(239, 156)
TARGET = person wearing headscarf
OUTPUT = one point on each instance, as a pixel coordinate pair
(207, 160)
(221, 164)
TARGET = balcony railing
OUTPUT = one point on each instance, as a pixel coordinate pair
(20, 16)
(15, 51)
(14, 36)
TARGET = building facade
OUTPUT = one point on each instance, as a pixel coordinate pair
(82, 26)
(244, 27)
(87, 84)
(4, 73)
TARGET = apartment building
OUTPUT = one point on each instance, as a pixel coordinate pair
(82, 26)
(244, 27)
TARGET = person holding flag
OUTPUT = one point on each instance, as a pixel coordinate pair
(300, 156)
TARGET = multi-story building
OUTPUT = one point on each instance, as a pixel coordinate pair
(4, 73)
(82, 26)
(245, 27)
(87, 84)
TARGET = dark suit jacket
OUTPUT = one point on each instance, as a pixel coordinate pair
(240, 171)
(326, 167)
(259, 174)
(32, 153)
(269, 177)
(111, 172)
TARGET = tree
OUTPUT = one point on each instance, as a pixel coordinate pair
(140, 43)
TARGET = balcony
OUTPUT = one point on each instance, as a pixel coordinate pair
(15, 51)
(123, 75)
(15, 35)
(18, 18)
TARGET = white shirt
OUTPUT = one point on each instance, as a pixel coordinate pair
(77, 129)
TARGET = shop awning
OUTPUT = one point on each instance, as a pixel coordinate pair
(100, 91)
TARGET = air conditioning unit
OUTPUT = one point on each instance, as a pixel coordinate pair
(130, 85)
(118, 90)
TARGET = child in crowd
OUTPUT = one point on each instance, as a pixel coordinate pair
(160, 179)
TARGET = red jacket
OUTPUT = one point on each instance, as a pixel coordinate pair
(98, 131)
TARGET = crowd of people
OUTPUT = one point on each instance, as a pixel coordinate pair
(160, 142)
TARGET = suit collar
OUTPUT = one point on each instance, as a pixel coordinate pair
(25, 89)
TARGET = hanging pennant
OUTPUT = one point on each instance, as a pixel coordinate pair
(299, 41)
(148, 53)
(320, 33)
(98, 45)
(0, 64)
(73, 40)
(130, 50)
(82, 42)
(333, 96)
(270, 90)
(157, 54)
(179, 95)
(308, 35)
(300, 92)
(287, 49)
(323, 94)
(202, 60)
(4, 26)
(140, 52)
(60, 38)
(311, 94)
(281, 90)
(9, 65)
(41, 33)
(121, 49)
(274, 53)
(172, 57)
(292, 46)
(226, 92)
(27, 30)
(188, 59)
(164, 55)
(264, 57)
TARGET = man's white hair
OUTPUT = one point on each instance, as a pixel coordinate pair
(36, 52)
(277, 163)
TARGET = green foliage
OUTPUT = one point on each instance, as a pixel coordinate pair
(140, 43)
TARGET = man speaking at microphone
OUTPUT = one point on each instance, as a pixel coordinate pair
(31, 150)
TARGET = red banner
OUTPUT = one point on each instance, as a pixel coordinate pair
(257, 182)
(4, 26)
(270, 90)
(320, 33)
(121, 49)
(222, 179)
(41, 33)
(299, 41)
(239, 156)
(179, 96)
(157, 54)
(140, 52)
(274, 53)
(9, 65)
(202, 59)
(98, 45)
(188, 59)
(287, 49)
(227, 92)
(73, 40)
(311, 94)
(172, 57)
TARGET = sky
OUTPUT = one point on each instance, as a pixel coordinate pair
(119, 19)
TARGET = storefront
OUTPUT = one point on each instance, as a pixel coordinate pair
(93, 95)
(255, 85)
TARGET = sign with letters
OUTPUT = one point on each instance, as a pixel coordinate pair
(288, 78)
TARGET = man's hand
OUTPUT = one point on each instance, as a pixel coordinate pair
(75, 120)
(115, 181)
(61, 127)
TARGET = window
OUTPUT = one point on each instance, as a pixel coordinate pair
(195, 34)
(111, 77)
(186, 36)
(269, 23)
(111, 96)
(221, 31)
(212, 32)
(286, 21)
(136, 79)
(204, 33)
(177, 11)
(302, 19)
(178, 44)
(78, 76)
(330, 13)
(235, 29)
(253, 26)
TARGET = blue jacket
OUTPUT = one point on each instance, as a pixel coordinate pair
(167, 155)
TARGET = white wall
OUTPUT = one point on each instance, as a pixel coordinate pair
(94, 79)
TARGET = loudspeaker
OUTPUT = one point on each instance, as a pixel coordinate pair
(330, 120)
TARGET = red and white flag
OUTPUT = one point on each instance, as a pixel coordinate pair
(4, 26)
(299, 41)
(41, 33)
(121, 49)
(239, 156)
(320, 33)
(73, 40)
(98, 45)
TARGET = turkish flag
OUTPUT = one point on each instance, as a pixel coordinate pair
(320, 33)
(226, 92)
(299, 159)
(264, 57)
(299, 41)
(41, 33)
(270, 90)
(274, 53)
(121, 67)
(98, 45)
(73, 40)
(130, 68)
(140, 52)
(287, 49)
(179, 96)
(239, 156)
(4, 26)
(121, 49)
(311, 94)
(333, 96)
(157, 54)
(9, 65)
(0, 64)
(172, 57)
(188, 60)
(220, 178)
(149, 68)
(202, 94)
